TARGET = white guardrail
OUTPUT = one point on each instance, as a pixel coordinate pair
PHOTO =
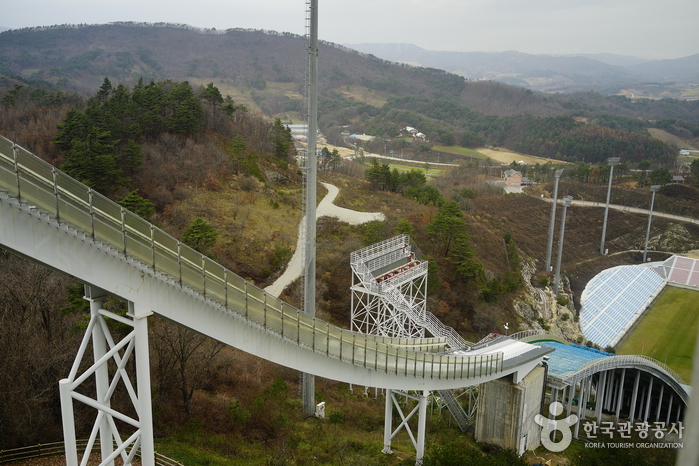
(61, 198)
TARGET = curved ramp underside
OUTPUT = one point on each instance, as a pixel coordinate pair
(53, 219)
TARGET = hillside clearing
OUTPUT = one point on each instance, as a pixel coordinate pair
(507, 156)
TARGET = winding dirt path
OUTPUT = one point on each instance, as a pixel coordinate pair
(326, 208)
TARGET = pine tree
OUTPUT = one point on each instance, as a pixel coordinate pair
(185, 109)
(447, 224)
(138, 205)
(213, 95)
(283, 142)
(238, 150)
(92, 161)
(199, 235)
(130, 159)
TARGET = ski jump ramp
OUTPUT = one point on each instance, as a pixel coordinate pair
(50, 218)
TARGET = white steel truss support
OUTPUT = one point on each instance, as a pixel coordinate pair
(420, 409)
(389, 290)
(106, 352)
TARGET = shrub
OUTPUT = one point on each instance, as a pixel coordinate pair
(565, 316)
(237, 414)
(336, 418)
(562, 300)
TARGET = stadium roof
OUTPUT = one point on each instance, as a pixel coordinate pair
(615, 298)
(569, 359)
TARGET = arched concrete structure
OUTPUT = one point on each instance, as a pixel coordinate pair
(637, 388)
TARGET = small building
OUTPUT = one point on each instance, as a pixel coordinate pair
(678, 179)
(512, 178)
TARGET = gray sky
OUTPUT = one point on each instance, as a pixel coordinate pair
(643, 28)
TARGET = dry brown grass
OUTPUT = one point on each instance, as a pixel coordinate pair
(508, 156)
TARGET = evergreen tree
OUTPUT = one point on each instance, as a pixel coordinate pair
(149, 103)
(213, 95)
(238, 150)
(283, 142)
(130, 159)
(405, 227)
(92, 162)
(462, 258)
(75, 127)
(104, 92)
(138, 205)
(447, 224)
(660, 176)
(199, 235)
(694, 167)
(185, 109)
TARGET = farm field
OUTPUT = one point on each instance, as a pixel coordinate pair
(460, 151)
(668, 331)
(507, 156)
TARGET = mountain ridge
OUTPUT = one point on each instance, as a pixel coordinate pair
(607, 73)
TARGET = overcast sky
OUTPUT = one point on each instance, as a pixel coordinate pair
(643, 28)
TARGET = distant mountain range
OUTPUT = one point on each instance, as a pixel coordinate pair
(606, 73)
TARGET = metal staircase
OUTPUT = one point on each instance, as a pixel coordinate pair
(387, 302)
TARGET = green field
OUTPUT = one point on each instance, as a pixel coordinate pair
(460, 151)
(668, 331)
(433, 170)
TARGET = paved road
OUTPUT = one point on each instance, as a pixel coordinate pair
(326, 208)
(633, 210)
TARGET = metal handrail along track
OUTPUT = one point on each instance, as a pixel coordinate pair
(56, 198)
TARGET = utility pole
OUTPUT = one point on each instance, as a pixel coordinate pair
(309, 304)
(653, 189)
(556, 174)
(566, 203)
(611, 162)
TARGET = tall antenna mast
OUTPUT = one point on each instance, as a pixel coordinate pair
(309, 287)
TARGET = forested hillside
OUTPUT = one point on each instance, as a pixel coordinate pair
(184, 127)
(264, 70)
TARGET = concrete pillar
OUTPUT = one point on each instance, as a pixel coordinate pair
(660, 402)
(642, 402)
(620, 396)
(669, 410)
(388, 423)
(599, 396)
(564, 391)
(581, 411)
(634, 396)
(571, 395)
(588, 395)
(611, 377)
(650, 395)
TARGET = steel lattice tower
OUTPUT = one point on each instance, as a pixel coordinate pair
(389, 289)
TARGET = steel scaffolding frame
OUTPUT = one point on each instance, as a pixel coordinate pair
(106, 352)
(389, 290)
